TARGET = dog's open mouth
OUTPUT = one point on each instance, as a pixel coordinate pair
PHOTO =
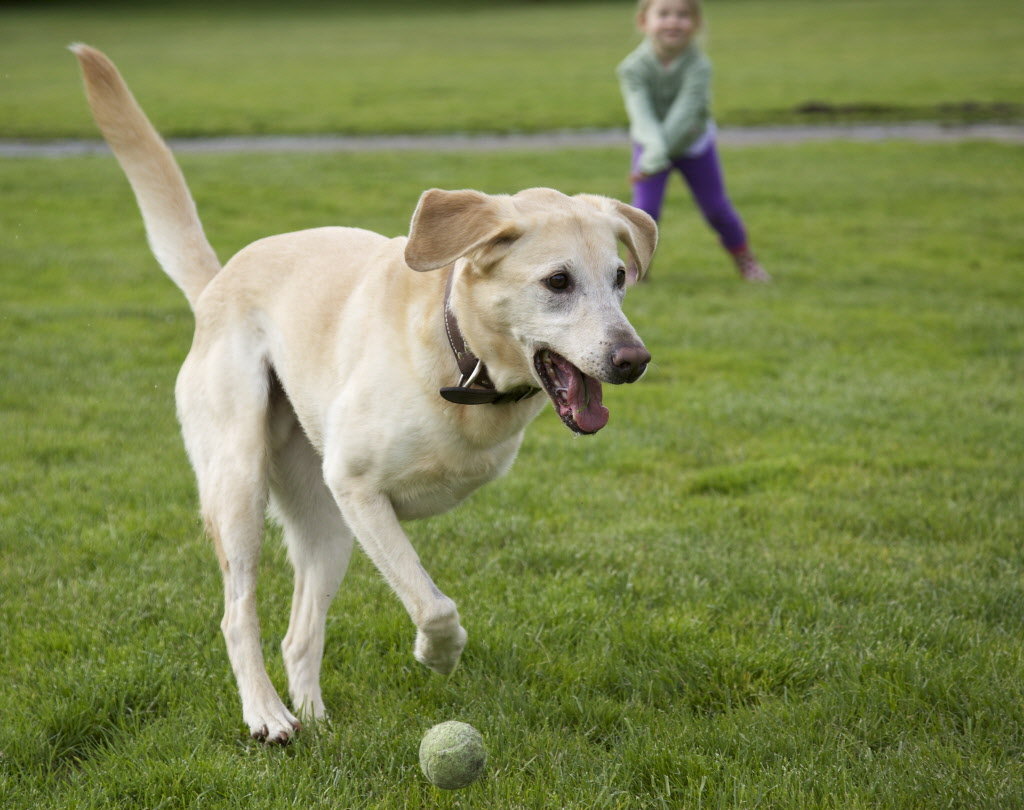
(577, 397)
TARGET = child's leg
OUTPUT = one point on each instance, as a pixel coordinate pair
(648, 193)
(703, 174)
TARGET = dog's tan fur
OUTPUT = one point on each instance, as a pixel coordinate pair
(312, 384)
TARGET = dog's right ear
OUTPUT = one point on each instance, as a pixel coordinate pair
(448, 225)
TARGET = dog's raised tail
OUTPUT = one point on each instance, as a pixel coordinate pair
(173, 228)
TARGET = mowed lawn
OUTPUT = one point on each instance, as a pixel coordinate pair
(787, 574)
(517, 65)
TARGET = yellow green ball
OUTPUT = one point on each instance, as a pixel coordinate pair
(452, 755)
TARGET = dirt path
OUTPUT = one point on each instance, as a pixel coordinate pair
(547, 141)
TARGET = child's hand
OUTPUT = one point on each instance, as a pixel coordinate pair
(637, 177)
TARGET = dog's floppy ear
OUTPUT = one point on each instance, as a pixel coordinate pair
(637, 231)
(448, 225)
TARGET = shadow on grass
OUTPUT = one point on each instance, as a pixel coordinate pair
(825, 112)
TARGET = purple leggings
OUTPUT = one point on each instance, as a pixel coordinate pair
(703, 174)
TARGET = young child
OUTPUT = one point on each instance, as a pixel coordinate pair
(666, 84)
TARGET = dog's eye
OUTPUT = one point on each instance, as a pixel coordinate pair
(620, 277)
(559, 282)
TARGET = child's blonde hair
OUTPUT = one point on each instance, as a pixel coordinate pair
(694, 6)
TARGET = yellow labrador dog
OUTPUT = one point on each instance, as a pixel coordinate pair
(330, 383)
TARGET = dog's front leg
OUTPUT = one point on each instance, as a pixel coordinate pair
(440, 637)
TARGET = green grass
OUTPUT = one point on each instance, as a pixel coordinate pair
(788, 574)
(201, 68)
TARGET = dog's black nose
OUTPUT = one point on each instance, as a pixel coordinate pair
(631, 362)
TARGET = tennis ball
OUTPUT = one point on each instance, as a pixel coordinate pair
(452, 755)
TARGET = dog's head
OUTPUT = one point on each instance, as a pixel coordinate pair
(538, 293)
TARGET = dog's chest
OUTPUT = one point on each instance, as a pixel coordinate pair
(433, 480)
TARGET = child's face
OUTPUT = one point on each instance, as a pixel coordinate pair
(670, 24)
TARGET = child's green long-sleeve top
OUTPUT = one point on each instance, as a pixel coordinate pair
(669, 107)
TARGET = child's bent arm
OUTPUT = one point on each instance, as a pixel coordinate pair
(644, 126)
(688, 117)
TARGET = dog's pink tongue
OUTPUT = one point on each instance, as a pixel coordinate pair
(585, 401)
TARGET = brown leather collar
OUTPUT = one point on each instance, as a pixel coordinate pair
(475, 386)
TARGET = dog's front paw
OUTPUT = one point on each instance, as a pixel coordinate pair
(441, 651)
(272, 725)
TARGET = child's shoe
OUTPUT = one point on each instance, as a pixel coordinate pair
(748, 266)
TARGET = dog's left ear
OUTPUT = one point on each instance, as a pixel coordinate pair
(637, 231)
(448, 225)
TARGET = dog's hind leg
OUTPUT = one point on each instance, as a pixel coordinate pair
(223, 412)
(319, 547)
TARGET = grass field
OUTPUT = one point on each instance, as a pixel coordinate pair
(479, 65)
(788, 574)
